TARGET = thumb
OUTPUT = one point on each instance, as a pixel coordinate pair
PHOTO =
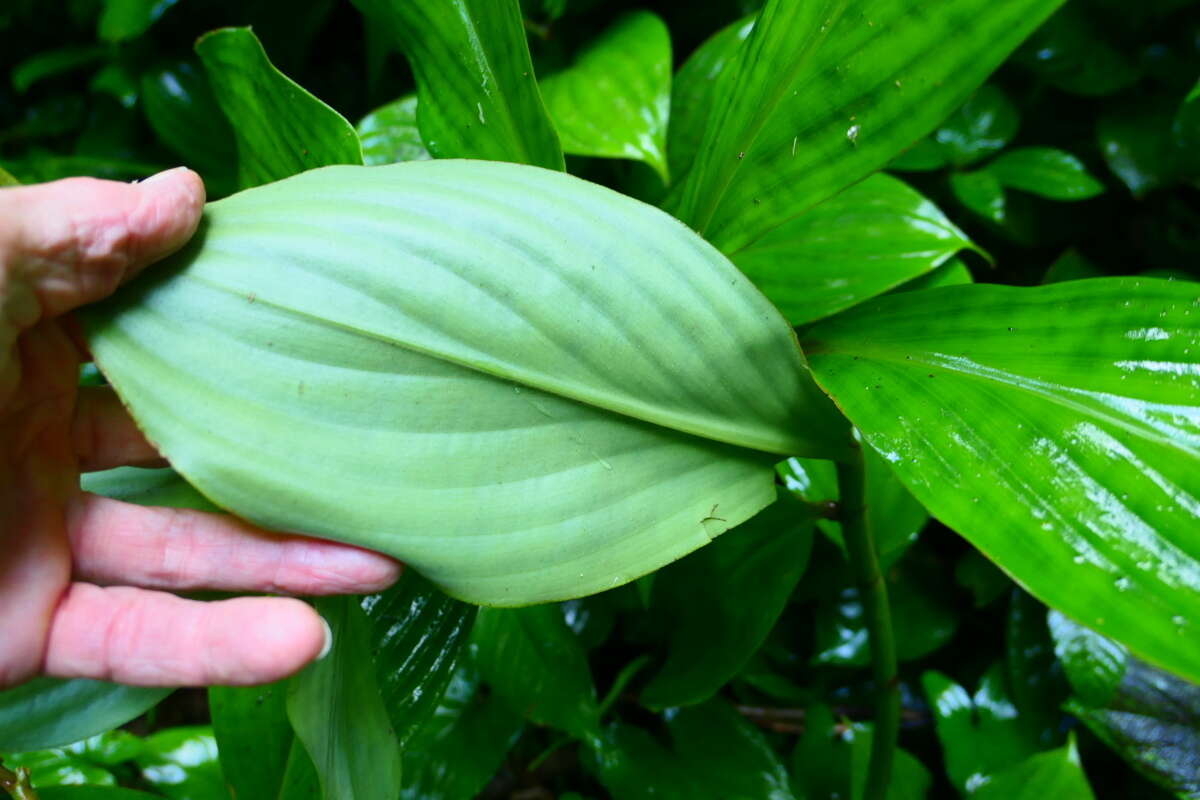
(74, 241)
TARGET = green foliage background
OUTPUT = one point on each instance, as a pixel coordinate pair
(742, 670)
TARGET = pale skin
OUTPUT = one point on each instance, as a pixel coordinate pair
(85, 581)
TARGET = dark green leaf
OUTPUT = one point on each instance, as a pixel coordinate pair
(1056, 427)
(254, 737)
(1045, 171)
(1057, 773)
(41, 166)
(980, 127)
(389, 134)
(1035, 676)
(50, 63)
(182, 764)
(337, 712)
(478, 94)
(614, 100)
(109, 748)
(980, 734)
(870, 238)
(719, 603)
(179, 105)
(1136, 140)
(464, 747)
(46, 712)
(533, 660)
(1070, 266)
(693, 90)
(796, 130)
(300, 779)
(128, 19)
(417, 635)
(981, 192)
(280, 128)
(713, 752)
(981, 577)
(92, 793)
(118, 81)
(1072, 53)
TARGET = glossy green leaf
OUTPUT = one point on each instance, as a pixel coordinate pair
(719, 603)
(280, 128)
(979, 733)
(146, 487)
(478, 94)
(981, 192)
(1035, 676)
(1070, 266)
(1045, 171)
(337, 712)
(59, 768)
(54, 62)
(893, 515)
(986, 582)
(1136, 141)
(254, 737)
(459, 753)
(550, 358)
(693, 90)
(870, 238)
(47, 712)
(816, 102)
(832, 759)
(1057, 773)
(128, 19)
(417, 635)
(981, 126)
(182, 763)
(614, 101)
(713, 752)
(180, 106)
(533, 661)
(389, 134)
(109, 748)
(952, 273)
(1057, 428)
(1149, 717)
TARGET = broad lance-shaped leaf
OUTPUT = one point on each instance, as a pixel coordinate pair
(615, 99)
(794, 127)
(47, 712)
(858, 244)
(280, 128)
(478, 95)
(1057, 428)
(527, 386)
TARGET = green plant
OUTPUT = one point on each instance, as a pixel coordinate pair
(533, 388)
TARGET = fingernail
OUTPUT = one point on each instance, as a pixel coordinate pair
(328, 640)
(164, 175)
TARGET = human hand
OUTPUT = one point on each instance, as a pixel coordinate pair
(80, 574)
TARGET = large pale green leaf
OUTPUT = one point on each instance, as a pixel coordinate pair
(860, 243)
(527, 386)
(280, 128)
(615, 99)
(47, 712)
(389, 133)
(337, 712)
(816, 101)
(537, 665)
(746, 577)
(417, 635)
(478, 94)
(1057, 428)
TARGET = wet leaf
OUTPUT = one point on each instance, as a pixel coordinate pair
(1045, 171)
(389, 134)
(182, 764)
(1057, 428)
(614, 101)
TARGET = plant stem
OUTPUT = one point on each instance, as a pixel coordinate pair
(873, 591)
(17, 783)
